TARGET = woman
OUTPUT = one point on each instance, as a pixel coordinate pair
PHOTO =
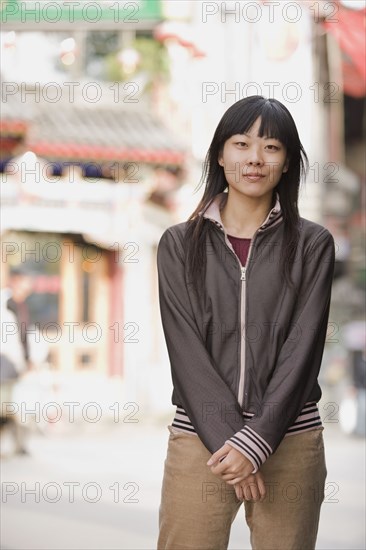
(244, 289)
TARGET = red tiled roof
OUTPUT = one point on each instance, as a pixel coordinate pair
(59, 151)
(13, 127)
(93, 133)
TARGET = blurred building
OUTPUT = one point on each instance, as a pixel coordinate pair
(341, 50)
(90, 242)
(88, 186)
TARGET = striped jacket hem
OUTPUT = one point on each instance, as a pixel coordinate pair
(247, 441)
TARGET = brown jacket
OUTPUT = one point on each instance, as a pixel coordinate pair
(249, 345)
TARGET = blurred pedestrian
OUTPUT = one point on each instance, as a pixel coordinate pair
(359, 384)
(21, 286)
(352, 410)
(244, 289)
(12, 365)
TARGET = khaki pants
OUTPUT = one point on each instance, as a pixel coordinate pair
(197, 508)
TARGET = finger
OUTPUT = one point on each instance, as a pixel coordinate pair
(228, 477)
(221, 453)
(216, 460)
(228, 467)
(221, 468)
(217, 470)
(239, 478)
(224, 476)
(255, 492)
(251, 491)
(239, 492)
(261, 487)
(235, 480)
(247, 493)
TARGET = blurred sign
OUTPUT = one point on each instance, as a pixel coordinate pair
(98, 209)
(349, 33)
(87, 13)
(353, 4)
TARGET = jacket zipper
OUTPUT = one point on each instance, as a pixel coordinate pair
(243, 278)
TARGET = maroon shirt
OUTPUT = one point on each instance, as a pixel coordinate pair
(241, 247)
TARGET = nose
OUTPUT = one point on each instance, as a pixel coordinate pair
(254, 157)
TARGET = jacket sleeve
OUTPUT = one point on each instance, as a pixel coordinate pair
(298, 362)
(210, 404)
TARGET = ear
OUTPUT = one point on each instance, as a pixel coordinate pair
(285, 168)
(220, 159)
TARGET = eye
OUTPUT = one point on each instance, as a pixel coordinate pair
(240, 143)
(273, 147)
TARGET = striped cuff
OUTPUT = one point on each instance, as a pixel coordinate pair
(308, 419)
(251, 445)
(182, 422)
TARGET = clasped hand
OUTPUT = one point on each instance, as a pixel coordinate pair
(234, 468)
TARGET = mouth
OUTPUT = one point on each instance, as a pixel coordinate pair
(251, 176)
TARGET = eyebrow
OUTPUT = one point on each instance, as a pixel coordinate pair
(265, 137)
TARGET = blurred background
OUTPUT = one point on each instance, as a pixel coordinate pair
(107, 110)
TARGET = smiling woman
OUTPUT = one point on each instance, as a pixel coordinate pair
(245, 328)
(253, 167)
(264, 123)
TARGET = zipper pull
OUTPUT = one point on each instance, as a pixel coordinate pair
(243, 269)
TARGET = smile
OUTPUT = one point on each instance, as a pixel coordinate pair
(252, 177)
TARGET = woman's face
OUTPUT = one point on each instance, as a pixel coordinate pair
(253, 165)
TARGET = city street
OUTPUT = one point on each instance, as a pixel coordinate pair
(98, 489)
(126, 127)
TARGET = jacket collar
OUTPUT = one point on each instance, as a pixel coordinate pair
(213, 211)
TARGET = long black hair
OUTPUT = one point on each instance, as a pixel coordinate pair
(277, 123)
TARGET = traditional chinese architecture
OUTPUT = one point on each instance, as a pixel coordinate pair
(86, 192)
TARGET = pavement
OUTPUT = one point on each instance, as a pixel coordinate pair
(96, 486)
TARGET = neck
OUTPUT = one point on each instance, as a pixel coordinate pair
(242, 215)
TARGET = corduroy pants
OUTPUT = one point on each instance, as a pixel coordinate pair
(197, 508)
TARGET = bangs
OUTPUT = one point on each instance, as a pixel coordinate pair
(274, 121)
(274, 124)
